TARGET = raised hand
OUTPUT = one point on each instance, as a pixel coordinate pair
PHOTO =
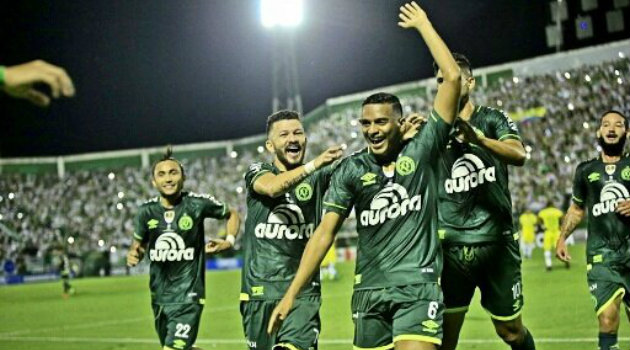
(328, 156)
(412, 16)
(411, 124)
(19, 81)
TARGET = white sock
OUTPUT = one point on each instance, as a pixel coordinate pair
(548, 258)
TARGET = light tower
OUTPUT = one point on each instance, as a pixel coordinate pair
(282, 16)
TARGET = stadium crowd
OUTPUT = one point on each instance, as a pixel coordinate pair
(93, 210)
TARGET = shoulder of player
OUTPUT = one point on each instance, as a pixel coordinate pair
(353, 159)
(149, 203)
(193, 196)
(258, 166)
(492, 111)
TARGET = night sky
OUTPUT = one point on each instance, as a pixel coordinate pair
(149, 73)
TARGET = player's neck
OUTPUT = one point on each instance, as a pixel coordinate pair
(610, 159)
(466, 112)
(171, 201)
(283, 167)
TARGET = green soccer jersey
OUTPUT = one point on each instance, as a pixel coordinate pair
(276, 233)
(396, 213)
(598, 187)
(475, 204)
(176, 241)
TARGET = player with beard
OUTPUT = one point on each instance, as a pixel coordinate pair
(480, 241)
(284, 205)
(397, 301)
(601, 192)
(171, 227)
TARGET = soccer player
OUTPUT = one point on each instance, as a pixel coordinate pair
(480, 242)
(17, 81)
(284, 205)
(601, 192)
(551, 217)
(397, 301)
(64, 272)
(171, 227)
(528, 221)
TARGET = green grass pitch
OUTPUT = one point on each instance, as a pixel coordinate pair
(114, 313)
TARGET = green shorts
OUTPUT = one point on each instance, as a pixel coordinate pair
(177, 324)
(299, 331)
(606, 282)
(493, 267)
(386, 315)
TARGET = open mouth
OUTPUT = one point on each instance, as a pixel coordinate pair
(293, 149)
(376, 140)
(169, 187)
(611, 137)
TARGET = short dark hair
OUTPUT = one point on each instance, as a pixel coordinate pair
(281, 115)
(168, 155)
(384, 98)
(613, 111)
(462, 61)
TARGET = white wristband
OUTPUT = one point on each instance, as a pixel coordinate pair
(309, 167)
(230, 239)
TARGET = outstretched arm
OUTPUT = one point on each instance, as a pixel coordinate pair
(273, 186)
(574, 216)
(446, 102)
(314, 253)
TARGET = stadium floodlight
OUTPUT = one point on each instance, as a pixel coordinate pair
(281, 13)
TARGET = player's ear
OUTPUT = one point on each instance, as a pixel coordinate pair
(471, 82)
(153, 183)
(269, 146)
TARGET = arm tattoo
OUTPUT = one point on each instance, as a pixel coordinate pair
(570, 222)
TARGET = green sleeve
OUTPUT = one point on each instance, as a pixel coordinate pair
(432, 139)
(579, 186)
(340, 198)
(213, 208)
(254, 172)
(140, 227)
(504, 127)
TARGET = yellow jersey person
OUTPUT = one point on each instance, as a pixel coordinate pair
(528, 221)
(551, 217)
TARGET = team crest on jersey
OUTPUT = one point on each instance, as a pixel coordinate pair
(469, 172)
(185, 223)
(610, 169)
(286, 221)
(594, 176)
(625, 174)
(171, 247)
(405, 165)
(304, 192)
(612, 193)
(389, 203)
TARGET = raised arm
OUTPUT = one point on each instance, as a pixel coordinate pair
(273, 186)
(446, 101)
(314, 253)
(574, 216)
(18, 81)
